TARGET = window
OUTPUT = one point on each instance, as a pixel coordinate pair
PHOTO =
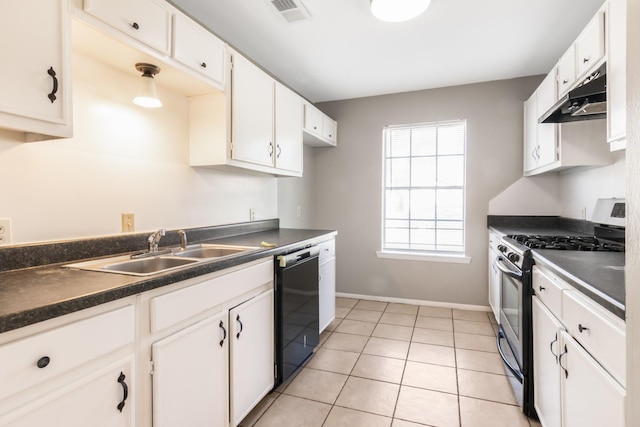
(424, 189)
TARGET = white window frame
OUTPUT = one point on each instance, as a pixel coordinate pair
(414, 254)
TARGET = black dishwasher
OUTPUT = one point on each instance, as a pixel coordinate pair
(296, 310)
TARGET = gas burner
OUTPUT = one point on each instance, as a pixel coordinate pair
(567, 243)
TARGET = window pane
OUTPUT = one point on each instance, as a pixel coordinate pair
(450, 204)
(398, 235)
(398, 172)
(451, 225)
(396, 223)
(400, 143)
(423, 204)
(424, 141)
(397, 204)
(423, 237)
(423, 171)
(451, 139)
(450, 171)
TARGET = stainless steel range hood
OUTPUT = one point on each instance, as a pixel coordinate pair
(586, 102)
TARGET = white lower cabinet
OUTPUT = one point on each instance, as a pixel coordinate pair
(212, 347)
(102, 400)
(495, 277)
(327, 283)
(190, 376)
(591, 397)
(77, 370)
(251, 354)
(572, 388)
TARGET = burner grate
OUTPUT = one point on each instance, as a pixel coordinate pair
(567, 243)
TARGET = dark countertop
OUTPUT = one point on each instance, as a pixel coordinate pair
(599, 275)
(35, 294)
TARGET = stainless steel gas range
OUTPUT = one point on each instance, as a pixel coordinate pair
(515, 262)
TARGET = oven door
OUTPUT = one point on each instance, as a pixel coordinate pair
(511, 312)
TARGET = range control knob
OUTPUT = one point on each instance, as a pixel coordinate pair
(513, 257)
(502, 248)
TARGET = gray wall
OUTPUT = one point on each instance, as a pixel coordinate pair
(348, 185)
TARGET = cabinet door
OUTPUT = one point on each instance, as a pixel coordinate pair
(198, 49)
(591, 397)
(329, 129)
(590, 44)
(530, 134)
(105, 399)
(251, 354)
(34, 41)
(148, 21)
(288, 125)
(495, 284)
(190, 371)
(566, 70)
(327, 289)
(547, 132)
(546, 346)
(252, 103)
(312, 119)
(617, 74)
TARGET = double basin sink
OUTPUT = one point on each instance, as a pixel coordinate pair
(150, 263)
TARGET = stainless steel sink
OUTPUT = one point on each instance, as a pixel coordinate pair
(211, 251)
(147, 265)
(168, 260)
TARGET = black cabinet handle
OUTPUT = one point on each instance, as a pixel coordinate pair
(52, 96)
(542, 288)
(135, 26)
(566, 373)
(551, 348)
(43, 362)
(582, 328)
(270, 149)
(125, 391)
(203, 65)
(279, 151)
(241, 326)
(224, 331)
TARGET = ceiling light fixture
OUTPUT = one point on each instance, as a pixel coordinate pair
(398, 10)
(147, 95)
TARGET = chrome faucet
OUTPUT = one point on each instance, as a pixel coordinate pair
(154, 239)
(183, 239)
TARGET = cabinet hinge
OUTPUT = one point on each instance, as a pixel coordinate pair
(150, 367)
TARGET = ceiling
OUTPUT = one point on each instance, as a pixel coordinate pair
(343, 52)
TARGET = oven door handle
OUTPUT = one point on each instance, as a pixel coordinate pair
(514, 371)
(506, 270)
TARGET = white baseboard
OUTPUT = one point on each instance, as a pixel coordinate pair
(416, 302)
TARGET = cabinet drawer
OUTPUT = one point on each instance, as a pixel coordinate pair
(198, 49)
(549, 289)
(32, 360)
(567, 70)
(174, 307)
(598, 332)
(327, 250)
(148, 21)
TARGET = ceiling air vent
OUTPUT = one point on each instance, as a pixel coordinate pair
(290, 10)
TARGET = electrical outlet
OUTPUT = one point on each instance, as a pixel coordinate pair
(583, 213)
(5, 231)
(298, 212)
(252, 214)
(128, 222)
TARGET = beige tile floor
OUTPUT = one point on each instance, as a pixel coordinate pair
(396, 365)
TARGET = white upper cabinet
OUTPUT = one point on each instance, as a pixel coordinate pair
(590, 48)
(252, 103)
(198, 49)
(320, 130)
(148, 21)
(35, 95)
(617, 74)
(288, 129)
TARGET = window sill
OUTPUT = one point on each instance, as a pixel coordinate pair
(456, 259)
